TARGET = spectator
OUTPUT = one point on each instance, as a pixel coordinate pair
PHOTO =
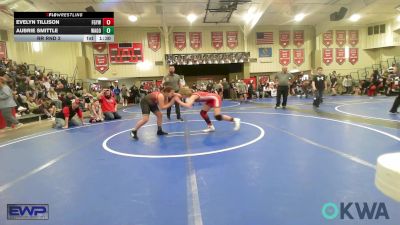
(210, 86)
(7, 104)
(134, 94)
(333, 83)
(219, 88)
(374, 84)
(65, 118)
(125, 94)
(233, 90)
(59, 87)
(87, 97)
(225, 86)
(117, 93)
(96, 114)
(108, 105)
(318, 86)
(52, 94)
(396, 102)
(242, 91)
(250, 89)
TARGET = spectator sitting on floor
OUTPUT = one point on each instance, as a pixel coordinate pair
(96, 114)
(65, 118)
(87, 97)
(108, 105)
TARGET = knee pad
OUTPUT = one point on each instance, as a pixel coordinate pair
(203, 114)
(218, 117)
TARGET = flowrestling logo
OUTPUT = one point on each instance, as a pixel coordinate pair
(355, 211)
(27, 211)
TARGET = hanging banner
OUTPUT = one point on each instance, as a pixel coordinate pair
(327, 38)
(284, 38)
(353, 37)
(101, 62)
(327, 55)
(232, 39)
(264, 38)
(217, 39)
(125, 52)
(195, 40)
(99, 46)
(298, 56)
(154, 41)
(284, 57)
(340, 55)
(3, 50)
(179, 40)
(264, 52)
(353, 55)
(298, 38)
(340, 37)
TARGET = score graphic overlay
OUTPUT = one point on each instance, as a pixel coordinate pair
(64, 26)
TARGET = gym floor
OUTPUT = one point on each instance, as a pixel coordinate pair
(281, 167)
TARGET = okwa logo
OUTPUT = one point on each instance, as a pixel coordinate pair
(355, 210)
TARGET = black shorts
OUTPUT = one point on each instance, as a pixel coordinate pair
(148, 107)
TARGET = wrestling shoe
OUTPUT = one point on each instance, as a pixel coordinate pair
(160, 132)
(210, 128)
(134, 134)
(237, 124)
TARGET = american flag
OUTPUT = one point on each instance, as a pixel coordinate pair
(264, 38)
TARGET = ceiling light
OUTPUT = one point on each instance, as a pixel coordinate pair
(354, 17)
(191, 17)
(132, 18)
(299, 17)
(36, 46)
(398, 18)
(248, 17)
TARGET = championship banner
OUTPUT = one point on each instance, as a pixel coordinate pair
(154, 41)
(284, 38)
(284, 57)
(298, 38)
(340, 37)
(3, 50)
(298, 56)
(327, 55)
(232, 39)
(101, 62)
(353, 37)
(340, 55)
(180, 40)
(327, 38)
(99, 46)
(125, 52)
(217, 39)
(195, 40)
(353, 55)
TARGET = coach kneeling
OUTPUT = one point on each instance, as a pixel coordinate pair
(108, 105)
(65, 118)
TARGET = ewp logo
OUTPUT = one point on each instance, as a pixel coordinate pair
(27, 212)
(331, 211)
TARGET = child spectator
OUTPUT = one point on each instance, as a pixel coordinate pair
(96, 114)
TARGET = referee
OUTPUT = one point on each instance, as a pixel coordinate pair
(282, 79)
(173, 80)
